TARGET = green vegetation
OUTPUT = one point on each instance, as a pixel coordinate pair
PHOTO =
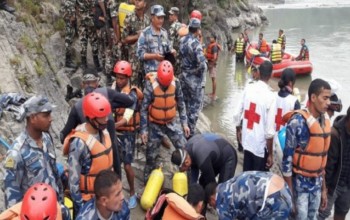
(24, 81)
(39, 68)
(59, 25)
(27, 41)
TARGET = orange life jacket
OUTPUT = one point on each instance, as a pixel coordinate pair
(134, 121)
(311, 161)
(209, 52)
(101, 157)
(163, 108)
(263, 46)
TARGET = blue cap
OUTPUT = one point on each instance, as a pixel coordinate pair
(157, 10)
(37, 104)
(195, 23)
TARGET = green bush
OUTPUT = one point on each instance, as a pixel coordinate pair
(39, 68)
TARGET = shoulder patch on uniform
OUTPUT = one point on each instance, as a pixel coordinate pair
(10, 163)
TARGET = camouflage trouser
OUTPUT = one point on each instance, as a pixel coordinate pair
(127, 142)
(277, 205)
(155, 134)
(177, 66)
(108, 53)
(69, 36)
(194, 103)
(137, 77)
(87, 31)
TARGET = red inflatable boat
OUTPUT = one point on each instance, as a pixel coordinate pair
(299, 67)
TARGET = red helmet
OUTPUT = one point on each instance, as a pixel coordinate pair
(165, 73)
(196, 14)
(123, 67)
(39, 203)
(95, 105)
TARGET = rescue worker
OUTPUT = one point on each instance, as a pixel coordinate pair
(153, 44)
(41, 196)
(305, 152)
(304, 51)
(134, 23)
(285, 101)
(174, 36)
(208, 154)
(262, 46)
(32, 158)
(281, 40)
(87, 32)
(258, 114)
(193, 69)
(239, 48)
(127, 122)
(108, 202)
(251, 195)
(70, 18)
(4, 6)
(337, 170)
(89, 149)
(276, 52)
(212, 57)
(162, 99)
(246, 36)
(76, 116)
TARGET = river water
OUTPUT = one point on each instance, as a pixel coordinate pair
(327, 34)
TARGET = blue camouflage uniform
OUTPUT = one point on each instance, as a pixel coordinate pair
(89, 211)
(151, 42)
(157, 131)
(243, 197)
(27, 164)
(192, 77)
(307, 190)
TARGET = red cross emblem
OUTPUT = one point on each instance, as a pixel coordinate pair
(251, 116)
(279, 119)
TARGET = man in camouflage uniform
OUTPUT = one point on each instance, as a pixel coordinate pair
(87, 31)
(251, 195)
(69, 15)
(153, 44)
(174, 36)
(153, 131)
(32, 159)
(134, 23)
(193, 69)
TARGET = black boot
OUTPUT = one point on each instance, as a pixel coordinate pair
(69, 62)
(4, 6)
(97, 63)
(83, 63)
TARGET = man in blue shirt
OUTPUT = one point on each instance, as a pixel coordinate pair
(305, 152)
(109, 200)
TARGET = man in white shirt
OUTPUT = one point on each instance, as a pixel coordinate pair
(258, 114)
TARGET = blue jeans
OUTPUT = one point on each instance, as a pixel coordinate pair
(307, 205)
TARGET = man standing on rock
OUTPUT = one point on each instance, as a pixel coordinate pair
(32, 159)
(4, 6)
(134, 23)
(193, 69)
(162, 99)
(174, 36)
(70, 18)
(87, 31)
